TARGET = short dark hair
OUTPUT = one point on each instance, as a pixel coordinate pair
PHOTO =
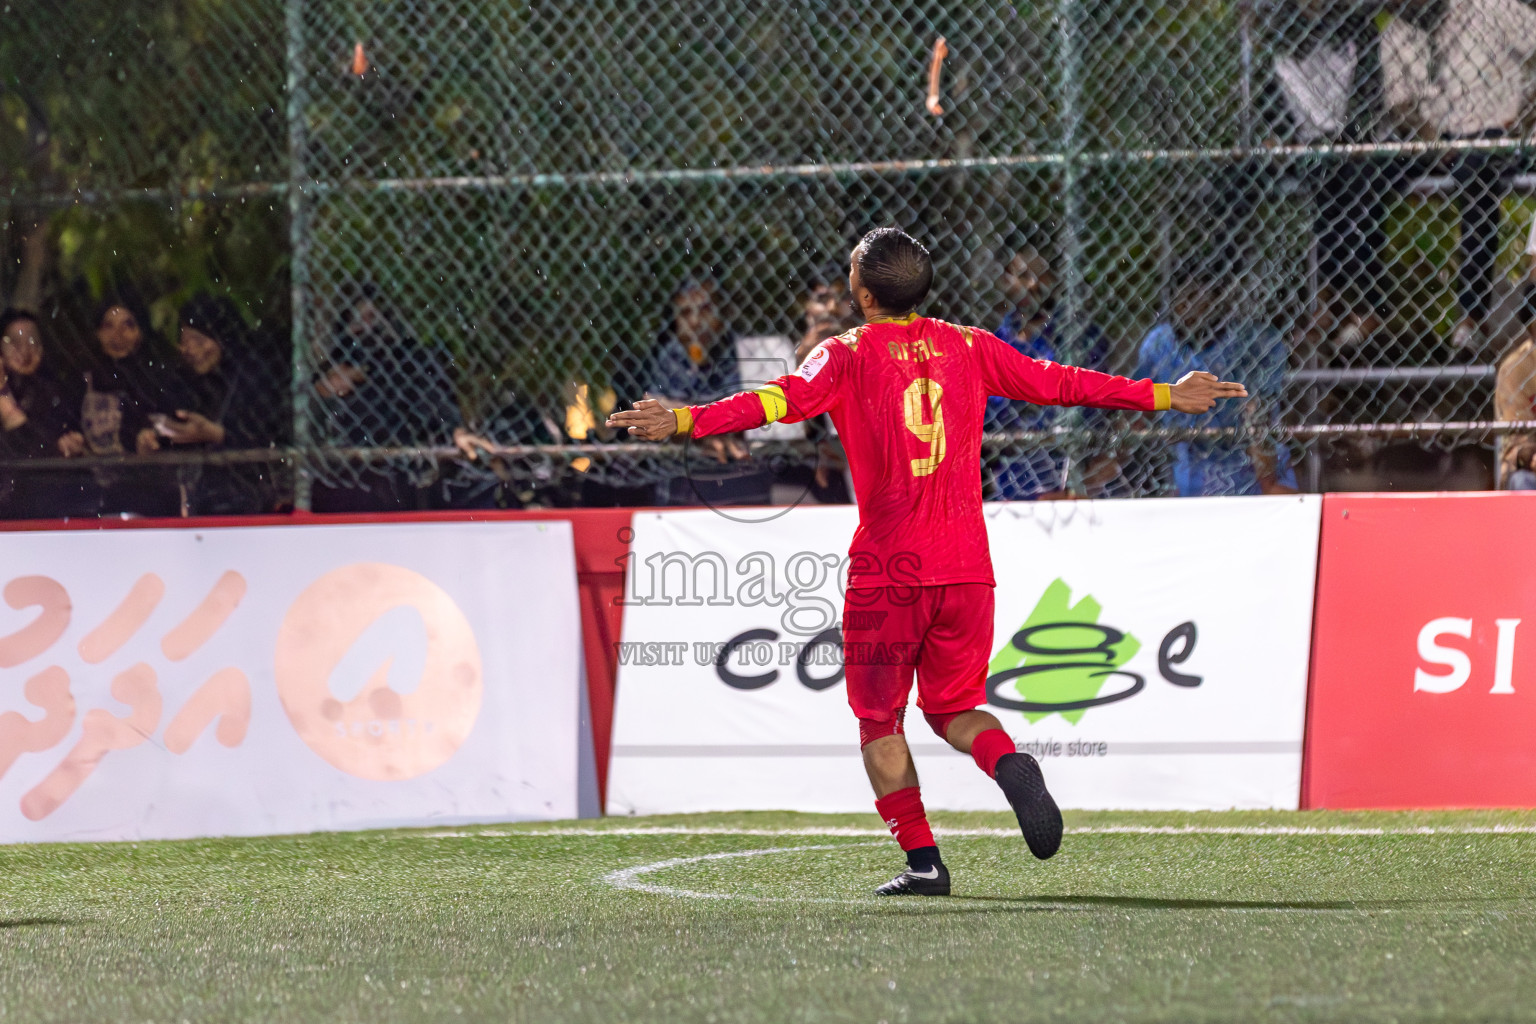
(214, 316)
(129, 299)
(895, 268)
(12, 314)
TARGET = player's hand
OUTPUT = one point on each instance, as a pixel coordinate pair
(649, 420)
(1197, 391)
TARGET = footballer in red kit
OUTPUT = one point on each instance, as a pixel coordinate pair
(907, 395)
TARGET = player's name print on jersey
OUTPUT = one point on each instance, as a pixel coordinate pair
(918, 348)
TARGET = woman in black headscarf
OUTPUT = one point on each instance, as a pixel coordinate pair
(34, 415)
(125, 390)
(224, 402)
(380, 388)
(39, 417)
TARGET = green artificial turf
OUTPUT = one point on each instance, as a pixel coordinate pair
(495, 923)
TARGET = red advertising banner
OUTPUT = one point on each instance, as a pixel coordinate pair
(1423, 688)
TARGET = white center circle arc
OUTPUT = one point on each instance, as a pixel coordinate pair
(630, 879)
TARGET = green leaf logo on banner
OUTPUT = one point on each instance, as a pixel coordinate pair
(1068, 653)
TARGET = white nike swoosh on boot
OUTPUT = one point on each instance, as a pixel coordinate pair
(930, 873)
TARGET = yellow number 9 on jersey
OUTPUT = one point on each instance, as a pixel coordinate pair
(931, 434)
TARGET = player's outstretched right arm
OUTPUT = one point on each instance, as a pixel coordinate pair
(809, 391)
(649, 420)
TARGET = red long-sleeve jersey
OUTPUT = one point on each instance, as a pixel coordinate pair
(907, 397)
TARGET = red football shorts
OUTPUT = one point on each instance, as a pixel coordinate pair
(942, 633)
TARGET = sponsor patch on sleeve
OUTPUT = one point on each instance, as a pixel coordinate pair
(816, 361)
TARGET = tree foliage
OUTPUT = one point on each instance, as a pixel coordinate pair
(105, 99)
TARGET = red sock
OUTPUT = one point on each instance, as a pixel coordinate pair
(903, 813)
(988, 746)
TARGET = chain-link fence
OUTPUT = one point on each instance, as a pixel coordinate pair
(433, 242)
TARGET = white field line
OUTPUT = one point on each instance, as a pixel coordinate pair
(839, 831)
(630, 879)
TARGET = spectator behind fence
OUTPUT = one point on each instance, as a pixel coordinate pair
(504, 417)
(695, 354)
(1204, 332)
(34, 415)
(1514, 391)
(1522, 460)
(828, 312)
(224, 402)
(695, 361)
(125, 390)
(1028, 283)
(378, 387)
(1474, 53)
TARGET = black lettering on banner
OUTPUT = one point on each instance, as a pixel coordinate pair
(1166, 659)
(1026, 640)
(1111, 636)
(739, 682)
(832, 637)
(998, 700)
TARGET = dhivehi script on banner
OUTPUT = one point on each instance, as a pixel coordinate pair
(163, 683)
(1151, 654)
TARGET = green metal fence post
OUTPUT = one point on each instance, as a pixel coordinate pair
(298, 238)
(1070, 112)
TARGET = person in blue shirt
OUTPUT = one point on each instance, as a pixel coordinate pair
(695, 360)
(1032, 327)
(695, 355)
(1204, 332)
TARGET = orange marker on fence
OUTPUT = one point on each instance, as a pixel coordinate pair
(935, 64)
(359, 61)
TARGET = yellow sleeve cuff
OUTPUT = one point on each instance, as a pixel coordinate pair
(1162, 397)
(684, 416)
(774, 403)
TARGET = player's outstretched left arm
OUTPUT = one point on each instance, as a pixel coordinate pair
(1008, 372)
(1197, 391)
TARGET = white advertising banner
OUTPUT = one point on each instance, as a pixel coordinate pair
(254, 680)
(1151, 654)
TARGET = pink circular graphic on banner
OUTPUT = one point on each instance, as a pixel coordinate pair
(379, 734)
